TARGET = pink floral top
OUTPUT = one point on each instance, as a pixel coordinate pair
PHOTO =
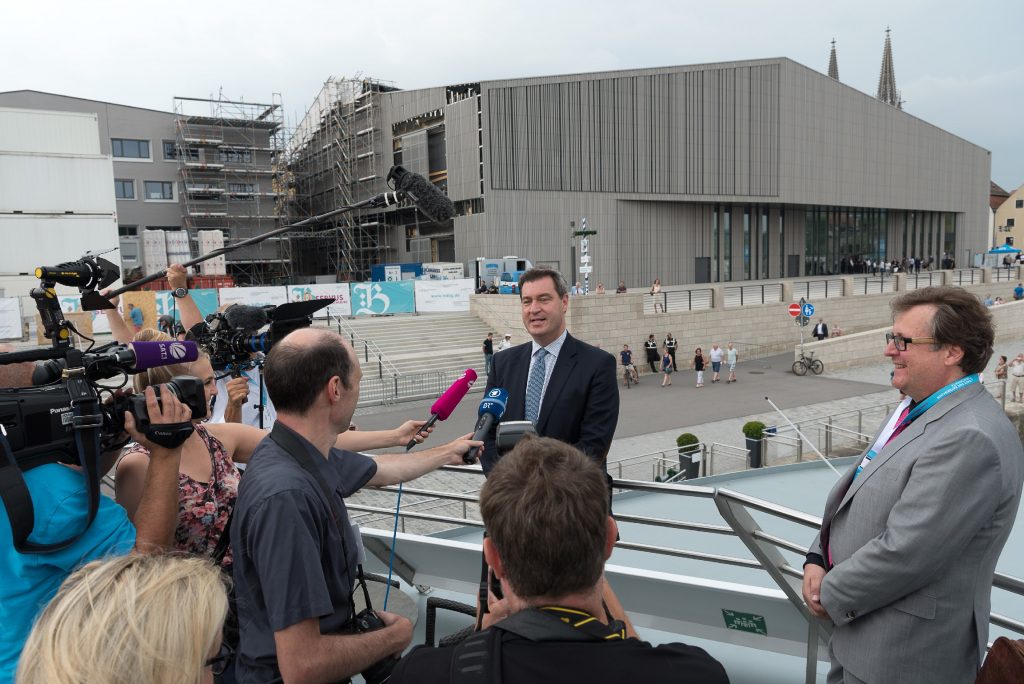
(204, 507)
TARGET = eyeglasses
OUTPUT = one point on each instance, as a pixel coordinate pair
(901, 342)
(219, 663)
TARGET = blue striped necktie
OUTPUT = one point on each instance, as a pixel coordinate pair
(535, 385)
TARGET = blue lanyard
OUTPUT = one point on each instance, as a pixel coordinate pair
(935, 398)
(914, 413)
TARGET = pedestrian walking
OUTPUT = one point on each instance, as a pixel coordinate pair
(1001, 368)
(698, 365)
(488, 352)
(651, 347)
(1017, 378)
(731, 357)
(667, 366)
(656, 295)
(717, 356)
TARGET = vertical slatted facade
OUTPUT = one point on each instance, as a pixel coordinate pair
(713, 132)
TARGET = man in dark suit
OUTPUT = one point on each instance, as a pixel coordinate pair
(821, 330)
(566, 387)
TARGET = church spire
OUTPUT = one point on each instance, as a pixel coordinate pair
(833, 63)
(887, 92)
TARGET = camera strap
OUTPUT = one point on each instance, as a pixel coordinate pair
(477, 659)
(87, 421)
(287, 440)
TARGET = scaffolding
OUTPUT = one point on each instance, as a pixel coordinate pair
(337, 159)
(231, 162)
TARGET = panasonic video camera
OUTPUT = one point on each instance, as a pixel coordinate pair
(71, 417)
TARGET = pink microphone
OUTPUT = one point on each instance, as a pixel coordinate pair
(447, 402)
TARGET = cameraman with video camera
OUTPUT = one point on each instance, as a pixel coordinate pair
(59, 502)
(296, 554)
(546, 512)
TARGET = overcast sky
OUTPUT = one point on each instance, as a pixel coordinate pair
(958, 64)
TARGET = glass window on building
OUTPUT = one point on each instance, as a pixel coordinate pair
(746, 243)
(159, 190)
(764, 243)
(127, 231)
(125, 148)
(124, 188)
(171, 151)
(727, 242)
(1018, 204)
(714, 244)
(229, 155)
(242, 188)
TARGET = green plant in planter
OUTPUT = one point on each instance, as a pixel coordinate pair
(687, 439)
(753, 429)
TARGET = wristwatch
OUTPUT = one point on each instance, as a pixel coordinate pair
(180, 292)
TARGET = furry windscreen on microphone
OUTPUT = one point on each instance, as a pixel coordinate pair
(427, 197)
(245, 317)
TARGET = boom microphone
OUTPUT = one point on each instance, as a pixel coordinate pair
(492, 408)
(447, 402)
(424, 194)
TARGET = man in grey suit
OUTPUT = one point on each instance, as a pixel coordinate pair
(911, 534)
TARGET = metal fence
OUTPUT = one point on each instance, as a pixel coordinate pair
(814, 290)
(679, 300)
(966, 276)
(927, 279)
(880, 284)
(395, 387)
(1005, 274)
(746, 295)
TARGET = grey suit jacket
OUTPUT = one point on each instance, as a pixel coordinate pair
(915, 540)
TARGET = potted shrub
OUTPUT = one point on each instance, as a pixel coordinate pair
(754, 431)
(689, 447)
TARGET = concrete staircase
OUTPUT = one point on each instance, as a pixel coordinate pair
(414, 344)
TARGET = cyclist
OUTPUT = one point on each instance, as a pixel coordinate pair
(627, 363)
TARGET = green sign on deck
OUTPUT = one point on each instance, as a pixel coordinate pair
(745, 622)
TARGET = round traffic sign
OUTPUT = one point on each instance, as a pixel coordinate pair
(794, 310)
(808, 310)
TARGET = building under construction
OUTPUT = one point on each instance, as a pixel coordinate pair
(340, 155)
(230, 158)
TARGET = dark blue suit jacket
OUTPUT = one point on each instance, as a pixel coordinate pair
(581, 404)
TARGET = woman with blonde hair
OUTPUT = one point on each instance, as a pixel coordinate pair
(128, 619)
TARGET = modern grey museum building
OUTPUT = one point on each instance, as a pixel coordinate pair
(706, 173)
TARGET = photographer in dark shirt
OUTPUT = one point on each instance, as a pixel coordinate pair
(546, 513)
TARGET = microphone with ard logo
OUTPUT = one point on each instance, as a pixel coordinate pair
(492, 408)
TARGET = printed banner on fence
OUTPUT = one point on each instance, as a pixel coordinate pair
(443, 295)
(342, 305)
(205, 299)
(383, 298)
(10, 318)
(254, 296)
(73, 304)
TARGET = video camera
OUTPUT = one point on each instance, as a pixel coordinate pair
(231, 340)
(67, 420)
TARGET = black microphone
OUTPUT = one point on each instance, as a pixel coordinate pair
(424, 194)
(492, 408)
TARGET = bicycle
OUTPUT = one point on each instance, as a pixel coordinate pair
(630, 375)
(808, 362)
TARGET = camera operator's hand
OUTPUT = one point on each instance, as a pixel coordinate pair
(238, 394)
(402, 627)
(168, 411)
(177, 276)
(411, 430)
(497, 610)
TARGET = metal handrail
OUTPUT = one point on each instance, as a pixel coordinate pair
(735, 509)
